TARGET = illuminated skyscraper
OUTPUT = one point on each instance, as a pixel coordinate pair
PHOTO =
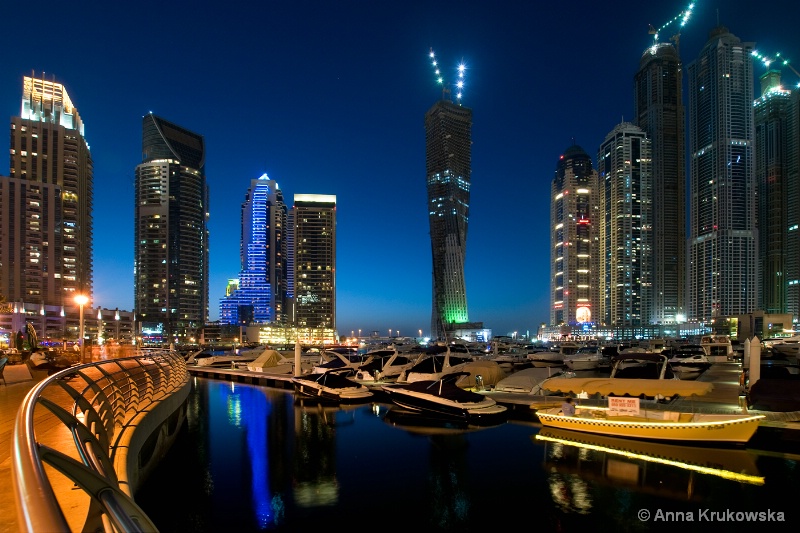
(448, 173)
(771, 168)
(313, 246)
(658, 100)
(170, 232)
(623, 166)
(723, 238)
(574, 268)
(46, 202)
(793, 208)
(260, 295)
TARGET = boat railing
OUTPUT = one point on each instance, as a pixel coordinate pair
(89, 406)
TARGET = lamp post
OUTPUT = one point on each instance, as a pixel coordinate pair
(81, 300)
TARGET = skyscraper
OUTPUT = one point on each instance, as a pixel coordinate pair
(793, 207)
(723, 240)
(771, 167)
(448, 173)
(170, 232)
(658, 101)
(46, 203)
(574, 267)
(313, 246)
(260, 296)
(623, 165)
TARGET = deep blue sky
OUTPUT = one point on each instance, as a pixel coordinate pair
(329, 98)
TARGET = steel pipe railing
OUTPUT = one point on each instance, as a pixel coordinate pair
(101, 398)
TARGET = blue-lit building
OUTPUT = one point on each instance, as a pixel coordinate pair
(262, 286)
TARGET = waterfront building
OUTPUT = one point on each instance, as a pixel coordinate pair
(659, 111)
(448, 165)
(46, 206)
(793, 207)
(260, 292)
(574, 252)
(723, 239)
(170, 233)
(625, 182)
(313, 247)
(771, 123)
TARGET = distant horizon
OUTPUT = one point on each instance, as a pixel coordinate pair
(330, 99)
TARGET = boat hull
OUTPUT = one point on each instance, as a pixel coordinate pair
(472, 412)
(712, 428)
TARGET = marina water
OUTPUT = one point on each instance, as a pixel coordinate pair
(252, 458)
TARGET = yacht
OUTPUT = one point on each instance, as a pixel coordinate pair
(718, 348)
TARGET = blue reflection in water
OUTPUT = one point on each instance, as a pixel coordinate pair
(247, 409)
(253, 459)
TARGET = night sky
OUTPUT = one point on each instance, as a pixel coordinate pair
(330, 97)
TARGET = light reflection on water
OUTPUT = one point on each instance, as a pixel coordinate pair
(254, 459)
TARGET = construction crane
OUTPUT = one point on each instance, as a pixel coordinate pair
(767, 61)
(683, 17)
(446, 88)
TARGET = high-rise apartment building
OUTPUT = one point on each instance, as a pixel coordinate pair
(313, 247)
(793, 208)
(46, 203)
(659, 111)
(574, 267)
(448, 165)
(260, 295)
(626, 195)
(170, 233)
(723, 240)
(771, 167)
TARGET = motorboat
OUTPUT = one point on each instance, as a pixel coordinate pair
(226, 358)
(527, 380)
(689, 364)
(641, 365)
(655, 424)
(434, 365)
(718, 348)
(332, 386)
(554, 358)
(444, 398)
(787, 347)
(336, 360)
(385, 364)
(587, 358)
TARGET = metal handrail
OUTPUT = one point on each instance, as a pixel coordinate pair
(102, 397)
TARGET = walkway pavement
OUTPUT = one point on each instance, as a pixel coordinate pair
(18, 383)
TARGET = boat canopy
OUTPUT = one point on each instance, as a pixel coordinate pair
(632, 387)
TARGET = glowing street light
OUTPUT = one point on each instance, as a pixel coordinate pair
(81, 300)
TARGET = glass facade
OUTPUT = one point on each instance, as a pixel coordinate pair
(260, 295)
(170, 232)
(723, 258)
(448, 171)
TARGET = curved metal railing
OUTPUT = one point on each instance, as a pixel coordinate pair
(88, 405)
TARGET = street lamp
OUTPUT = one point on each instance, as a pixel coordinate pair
(81, 300)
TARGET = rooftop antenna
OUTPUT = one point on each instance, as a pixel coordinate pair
(446, 88)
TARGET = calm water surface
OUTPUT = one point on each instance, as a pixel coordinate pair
(252, 459)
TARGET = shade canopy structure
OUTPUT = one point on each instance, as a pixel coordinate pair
(631, 387)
